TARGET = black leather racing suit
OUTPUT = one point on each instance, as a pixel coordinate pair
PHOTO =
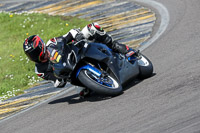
(92, 32)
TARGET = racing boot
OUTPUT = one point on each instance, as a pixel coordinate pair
(132, 54)
(124, 49)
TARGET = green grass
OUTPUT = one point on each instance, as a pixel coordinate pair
(17, 72)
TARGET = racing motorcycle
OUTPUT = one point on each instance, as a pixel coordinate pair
(97, 67)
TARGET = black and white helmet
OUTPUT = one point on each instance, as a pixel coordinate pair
(90, 30)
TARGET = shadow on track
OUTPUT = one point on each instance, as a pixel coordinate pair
(73, 99)
(95, 97)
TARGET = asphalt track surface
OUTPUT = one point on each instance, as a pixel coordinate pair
(168, 102)
(126, 21)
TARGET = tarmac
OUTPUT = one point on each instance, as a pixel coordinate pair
(126, 21)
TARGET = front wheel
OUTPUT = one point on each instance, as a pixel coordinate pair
(145, 66)
(101, 84)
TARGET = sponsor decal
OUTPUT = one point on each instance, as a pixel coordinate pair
(130, 53)
(58, 58)
(85, 45)
(27, 48)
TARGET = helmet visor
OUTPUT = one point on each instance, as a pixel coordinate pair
(37, 54)
(34, 54)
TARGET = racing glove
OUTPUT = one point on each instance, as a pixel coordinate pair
(79, 35)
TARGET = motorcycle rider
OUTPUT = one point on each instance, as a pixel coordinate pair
(45, 55)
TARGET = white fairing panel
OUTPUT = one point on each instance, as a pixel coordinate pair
(143, 61)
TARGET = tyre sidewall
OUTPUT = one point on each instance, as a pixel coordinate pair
(93, 85)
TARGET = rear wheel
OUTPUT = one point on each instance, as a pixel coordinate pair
(104, 84)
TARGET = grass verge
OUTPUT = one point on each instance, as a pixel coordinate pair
(17, 72)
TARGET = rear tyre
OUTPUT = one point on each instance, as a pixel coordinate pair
(104, 85)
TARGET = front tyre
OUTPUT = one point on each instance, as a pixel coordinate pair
(145, 66)
(104, 85)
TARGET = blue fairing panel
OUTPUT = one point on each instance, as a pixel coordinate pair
(90, 68)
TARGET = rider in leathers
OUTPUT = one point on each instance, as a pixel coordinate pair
(92, 32)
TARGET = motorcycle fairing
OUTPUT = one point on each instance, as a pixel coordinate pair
(118, 63)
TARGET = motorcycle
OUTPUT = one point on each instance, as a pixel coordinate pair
(97, 67)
